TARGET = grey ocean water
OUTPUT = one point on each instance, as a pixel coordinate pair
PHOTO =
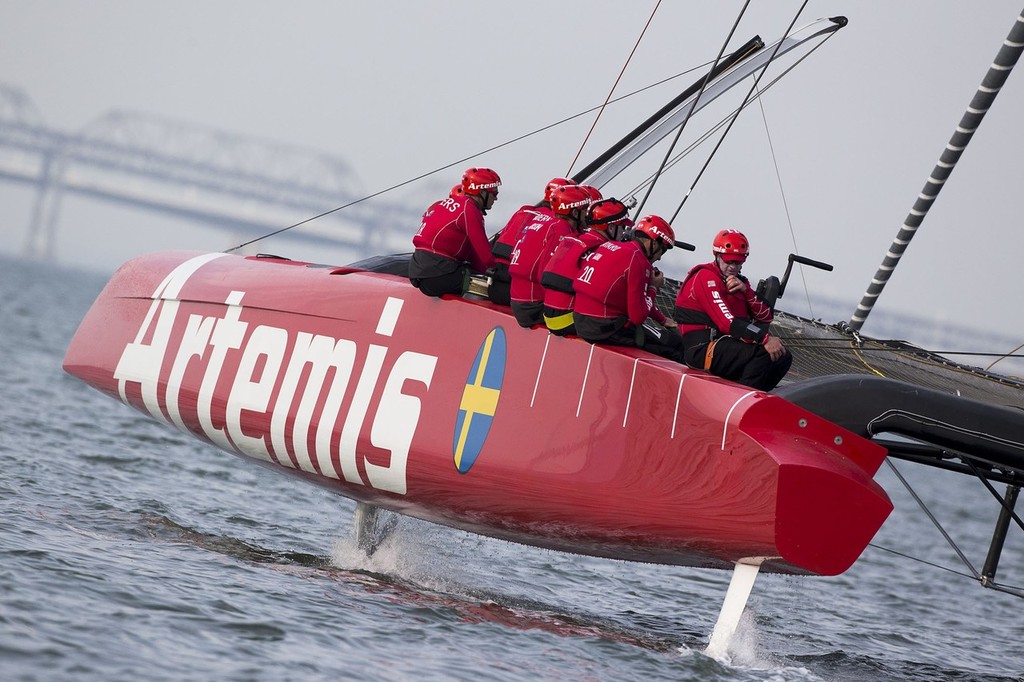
(131, 551)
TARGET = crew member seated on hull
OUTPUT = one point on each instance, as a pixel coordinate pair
(569, 205)
(452, 242)
(723, 322)
(607, 219)
(616, 289)
(499, 290)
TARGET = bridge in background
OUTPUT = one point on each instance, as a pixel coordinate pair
(230, 182)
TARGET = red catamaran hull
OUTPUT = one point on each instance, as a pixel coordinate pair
(446, 410)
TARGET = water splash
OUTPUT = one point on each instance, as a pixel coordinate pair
(743, 577)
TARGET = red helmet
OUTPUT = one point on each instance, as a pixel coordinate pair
(603, 213)
(476, 180)
(553, 184)
(595, 193)
(567, 198)
(456, 191)
(656, 228)
(731, 245)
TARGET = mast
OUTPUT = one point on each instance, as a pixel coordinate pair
(1000, 69)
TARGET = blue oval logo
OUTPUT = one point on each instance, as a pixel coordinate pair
(479, 400)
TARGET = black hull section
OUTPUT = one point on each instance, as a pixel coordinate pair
(870, 406)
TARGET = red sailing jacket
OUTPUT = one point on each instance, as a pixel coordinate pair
(615, 280)
(531, 254)
(454, 228)
(704, 291)
(513, 230)
(564, 265)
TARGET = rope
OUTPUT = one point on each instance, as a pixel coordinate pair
(610, 92)
(1002, 357)
(856, 351)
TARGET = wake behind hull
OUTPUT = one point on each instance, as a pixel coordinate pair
(447, 410)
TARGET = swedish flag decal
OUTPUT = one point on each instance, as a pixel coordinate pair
(479, 400)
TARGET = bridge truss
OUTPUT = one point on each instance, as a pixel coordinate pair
(244, 185)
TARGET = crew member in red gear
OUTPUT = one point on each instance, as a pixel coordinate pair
(615, 292)
(498, 291)
(723, 322)
(607, 219)
(451, 240)
(569, 205)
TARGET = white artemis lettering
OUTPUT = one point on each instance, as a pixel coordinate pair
(265, 365)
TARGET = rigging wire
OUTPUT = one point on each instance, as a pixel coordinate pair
(920, 355)
(757, 80)
(679, 132)
(680, 156)
(724, 120)
(935, 522)
(782, 192)
(999, 587)
(920, 560)
(467, 158)
(612, 91)
(531, 134)
(841, 344)
(995, 493)
(974, 574)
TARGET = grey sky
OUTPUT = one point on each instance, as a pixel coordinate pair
(401, 88)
